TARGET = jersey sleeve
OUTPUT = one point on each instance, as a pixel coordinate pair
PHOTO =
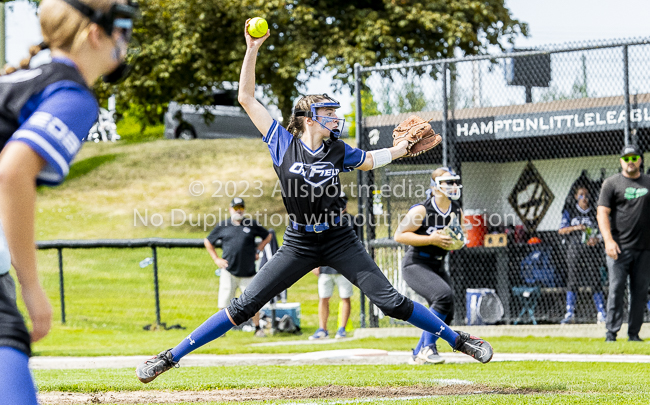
(261, 231)
(566, 219)
(606, 194)
(353, 158)
(56, 128)
(215, 235)
(278, 139)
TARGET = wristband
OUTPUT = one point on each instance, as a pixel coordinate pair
(380, 158)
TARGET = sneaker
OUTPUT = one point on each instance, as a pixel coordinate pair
(568, 318)
(428, 355)
(341, 334)
(152, 368)
(474, 346)
(259, 332)
(601, 318)
(610, 337)
(634, 338)
(319, 334)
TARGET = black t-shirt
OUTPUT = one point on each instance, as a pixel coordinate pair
(630, 204)
(310, 178)
(238, 244)
(435, 220)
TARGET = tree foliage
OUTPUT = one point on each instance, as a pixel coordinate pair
(189, 46)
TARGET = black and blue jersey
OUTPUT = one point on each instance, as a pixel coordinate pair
(310, 178)
(51, 109)
(434, 220)
(574, 216)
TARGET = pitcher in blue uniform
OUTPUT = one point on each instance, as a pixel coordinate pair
(423, 228)
(308, 157)
(44, 115)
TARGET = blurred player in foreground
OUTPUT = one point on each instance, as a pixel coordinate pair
(308, 157)
(44, 115)
(426, 228)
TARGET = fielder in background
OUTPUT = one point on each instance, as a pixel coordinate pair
(432, 228)
(327, 279)
(237, 235)
(584, 254)
(45, 114)
(307, 157)
(624, 222)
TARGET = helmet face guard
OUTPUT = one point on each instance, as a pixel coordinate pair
(452, 187)
(118, 18)
(334, 133)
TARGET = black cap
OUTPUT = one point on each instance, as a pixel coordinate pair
(630, 150)
(237, 201)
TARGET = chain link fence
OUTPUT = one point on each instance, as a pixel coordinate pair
(526, 131)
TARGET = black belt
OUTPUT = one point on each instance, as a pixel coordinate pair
(316, 228)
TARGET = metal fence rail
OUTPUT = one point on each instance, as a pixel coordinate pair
(525, 130)
(153, 243)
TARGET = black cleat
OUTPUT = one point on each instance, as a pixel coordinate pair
(635, 338)
(474, 346)
(152, 368)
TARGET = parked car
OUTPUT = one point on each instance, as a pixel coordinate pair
(186, 121)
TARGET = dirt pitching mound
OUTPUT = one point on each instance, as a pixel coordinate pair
(261, 394)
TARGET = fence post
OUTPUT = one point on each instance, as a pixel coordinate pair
(61, 291)
(445, 111)
(155, 283)
(626, 83)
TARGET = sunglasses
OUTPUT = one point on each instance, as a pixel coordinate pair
(633, 159)
(238, 208)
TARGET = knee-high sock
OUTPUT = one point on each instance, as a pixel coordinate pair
(16, 385)
(215, 326)
(599, 301)
(570, 301)
(426, 320)
(430, 338)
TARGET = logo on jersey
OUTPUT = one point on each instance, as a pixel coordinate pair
(632, 193)
(315, 174)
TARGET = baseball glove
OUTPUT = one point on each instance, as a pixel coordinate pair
(455, 231)
(418, 133)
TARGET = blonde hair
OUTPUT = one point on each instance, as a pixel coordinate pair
(61, 26)
(439, 172)
(297, 124)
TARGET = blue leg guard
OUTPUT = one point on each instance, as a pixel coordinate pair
(16, 384)
(599, 301)
(425, 320)
(215, 326)
(570, 301)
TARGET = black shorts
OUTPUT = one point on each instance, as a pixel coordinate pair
(427, 277)
(13, 332)
(338, 248)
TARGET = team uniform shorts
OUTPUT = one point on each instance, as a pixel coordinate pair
(426, 276)
(337, 247)
(228, 285)
(326, 284)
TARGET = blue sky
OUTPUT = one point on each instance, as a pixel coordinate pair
(550, 22)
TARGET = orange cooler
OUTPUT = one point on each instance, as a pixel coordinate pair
(476, 226)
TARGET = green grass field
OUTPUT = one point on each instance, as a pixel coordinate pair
(109, 298)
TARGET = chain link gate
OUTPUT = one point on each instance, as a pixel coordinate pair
(525, 130)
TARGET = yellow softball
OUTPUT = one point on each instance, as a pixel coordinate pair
(257, 27)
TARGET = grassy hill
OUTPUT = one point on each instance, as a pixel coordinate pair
(131, 190)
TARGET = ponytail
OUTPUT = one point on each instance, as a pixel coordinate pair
(24, 64)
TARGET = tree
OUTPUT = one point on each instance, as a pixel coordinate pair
(369, 107)
(190, 46)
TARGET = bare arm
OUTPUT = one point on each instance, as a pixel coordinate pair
(395, 152)
(568, 229)
(255, 110)
(264, 242)
(611, 247)
(220, 262)
(19, 166)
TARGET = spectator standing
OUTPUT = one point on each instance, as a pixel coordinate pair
(237, 235)
(584, 253)
(624, 222)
